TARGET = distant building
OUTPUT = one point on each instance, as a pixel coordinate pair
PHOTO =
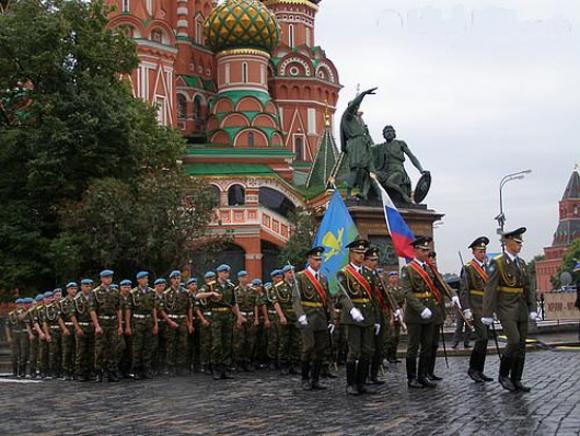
(568, 230)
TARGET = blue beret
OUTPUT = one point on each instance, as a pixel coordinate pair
(393, 273)
(209, 275)
(257, 282)
(242, 273)
(160, 282)
(288, 268)
(190, 281)
(39, 297)
(18, 300)
(276, 272)
(174, 273)
(106, 273)
(72, 285)
(56, 290)
(86, 282)
(48, 294)
(114, 286)
(126, 282)
(28, 300)
(223, 268)
(142, 274)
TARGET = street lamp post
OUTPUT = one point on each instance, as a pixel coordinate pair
(501, 219)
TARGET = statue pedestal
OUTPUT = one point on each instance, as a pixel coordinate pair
(370, 221)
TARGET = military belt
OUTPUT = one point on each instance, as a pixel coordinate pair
(106, 317)
(84, 324)
(68, 323)
(272, 312)
(139, 316)
(55, 327)
(177, 316)
(510, 290)
(220, 309)
(423, 295)
(476, 292)
(247, 313)
(206, 313)
(311, 304)
(361, 300)
(16, 331)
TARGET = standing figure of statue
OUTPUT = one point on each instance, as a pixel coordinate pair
(389, 160)
(356, 143)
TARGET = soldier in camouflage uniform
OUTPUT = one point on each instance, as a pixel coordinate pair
(53, 332)
(223, 307)
(105, 311)
(125, 343)
(205, 318)
(67, 310)
(288, 344)
(12, 335)
(159, 340)
(175, 311)
(141, 326)
(40, 318)
(193, 360)
(18, 334)
(245, 337)
(394, 331)
(37, 334)
(84, 333)
(272, 332)
(262, 326)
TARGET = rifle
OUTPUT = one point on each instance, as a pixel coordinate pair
(448, 293)
(393, 303)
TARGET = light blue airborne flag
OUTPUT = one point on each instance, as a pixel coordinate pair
(336, 231)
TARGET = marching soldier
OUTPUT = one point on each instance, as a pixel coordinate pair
(84, 333)
(288, 343)
(422, 295)
(67, 310)
(393, 333)
(205, 317)
(313, 309)
(473, 280)
(245, 337)
(125, 342)
(509, 295)
(141, 325)
(159, 340)
(360, 316)
(193, 361)
(175, 311)
(37, 333)
(52, 329)
(105, 311)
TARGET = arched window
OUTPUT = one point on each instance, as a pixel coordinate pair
(250, 139)
(236, 195)
(276, 201)
(299, 148)
(215, 192)
(157, 36)
(291, 35)
(125, 6)
(181, 106)
(197, 107)
(245, 72)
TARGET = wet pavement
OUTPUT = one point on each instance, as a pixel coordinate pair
(265, 403)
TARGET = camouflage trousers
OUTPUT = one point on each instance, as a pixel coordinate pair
(244, 341)
(261, 344)
(177, 345)
(192, 357)
(43, 357)
(392, 340)
(34, 353)
(68, 351)
(205, 343)
(221, 339)
(85, 351)
(289, 343)
(272, 349)
(55, 351)
(159, 349)
(142, 343)
(124, 355)
(106, 346)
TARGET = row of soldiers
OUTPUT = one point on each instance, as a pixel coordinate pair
(302, 320)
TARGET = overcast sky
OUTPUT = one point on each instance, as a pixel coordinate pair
(477, 89)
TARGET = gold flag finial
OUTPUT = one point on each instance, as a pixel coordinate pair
(326, 113)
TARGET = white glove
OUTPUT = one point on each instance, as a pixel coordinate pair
(534, 316)
(331, 328)
(398, 315)
(468, 314)
(302, 320)
(426, 314)
(356, 315)
(487, 321)
(377, 329)
(455, 300)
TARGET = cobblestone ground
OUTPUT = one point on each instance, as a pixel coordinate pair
(263, 403)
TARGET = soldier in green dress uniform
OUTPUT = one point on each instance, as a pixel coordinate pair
(13, 335)
(509, 295)
(175, 311)
(313, 308)
(67, 310)
(472, 287)
(393, 333)
(40, 320)
(53, 333)
(105, 311)
(360, 316)
(84, 333)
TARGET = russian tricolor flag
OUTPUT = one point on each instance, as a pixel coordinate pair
(401, 234)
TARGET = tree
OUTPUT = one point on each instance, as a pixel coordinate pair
(568, 262)
(89, 179)
(303, 227)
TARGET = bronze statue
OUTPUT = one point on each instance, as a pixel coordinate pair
(389, 162)
(356, 143)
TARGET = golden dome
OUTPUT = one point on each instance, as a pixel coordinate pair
(241, 24)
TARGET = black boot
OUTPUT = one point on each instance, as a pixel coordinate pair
(22, 371)
(411, 364)
(351, 379)
(284, 368)
(306, 376)
(112, 376)
(316, 377)
(504, 371)
(473, 371)
(362, 372)
(375, 373)
(455, 345)
(482, 357)
(431, 368)
(424, 363)
(15, 370)
(99, 378)
(517, 372)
